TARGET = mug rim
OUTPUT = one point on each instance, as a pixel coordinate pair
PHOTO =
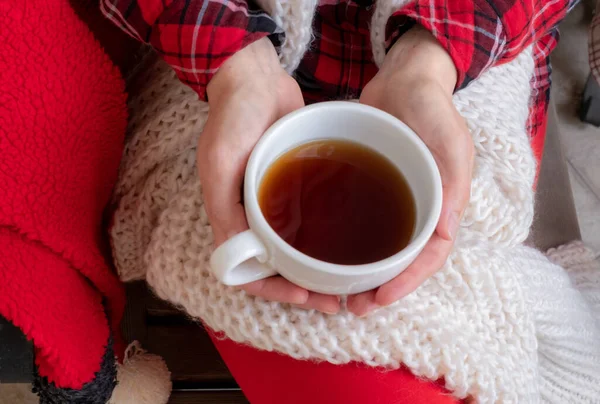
(252, 207)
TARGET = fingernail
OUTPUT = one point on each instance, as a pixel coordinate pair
(301, 298)
(453, 225)
(371, 307)
(332, 307)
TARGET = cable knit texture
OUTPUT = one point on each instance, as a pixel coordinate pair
(295, 18)
(382, 13)
(499, 322)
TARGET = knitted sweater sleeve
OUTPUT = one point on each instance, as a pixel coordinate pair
(564, 297)
(194, 36)
(480, 33)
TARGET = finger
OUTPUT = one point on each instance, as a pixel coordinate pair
(454, 202)
(362, 303)
(277, 289)
(221, 174)
(448, 138)
(222, 163)
(453, 152)
(324, 303)
(431, 259)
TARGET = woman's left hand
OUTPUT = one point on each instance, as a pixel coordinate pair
(415, 84)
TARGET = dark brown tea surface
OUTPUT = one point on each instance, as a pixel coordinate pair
(339, 202)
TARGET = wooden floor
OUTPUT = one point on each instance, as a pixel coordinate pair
(198, 373)
(184, 397)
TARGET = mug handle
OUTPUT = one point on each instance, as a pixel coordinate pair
(241, 260)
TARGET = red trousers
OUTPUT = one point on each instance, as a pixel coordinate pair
(272, 378)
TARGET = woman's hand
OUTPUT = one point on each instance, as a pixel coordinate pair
(415, 84)
(249, 92)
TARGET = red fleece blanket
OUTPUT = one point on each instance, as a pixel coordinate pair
(62, 121)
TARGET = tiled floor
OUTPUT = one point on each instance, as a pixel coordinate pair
(17, 394)
(581, 141)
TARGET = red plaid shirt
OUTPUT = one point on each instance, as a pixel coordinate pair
(197, 36)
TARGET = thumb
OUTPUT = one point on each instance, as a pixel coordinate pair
(453, 207)
(446, 135)
(223, 152)
(221, 175)
(455, 166)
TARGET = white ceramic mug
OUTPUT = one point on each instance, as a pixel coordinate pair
(259, 252)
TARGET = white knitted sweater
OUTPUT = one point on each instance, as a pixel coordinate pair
(499, 322)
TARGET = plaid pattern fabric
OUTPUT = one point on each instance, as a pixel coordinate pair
(481, 33)
(594, 44)
(339, 62)
(197, 36)
(540, 92)
(194, 36)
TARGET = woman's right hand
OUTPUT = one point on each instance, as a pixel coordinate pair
(248, 94)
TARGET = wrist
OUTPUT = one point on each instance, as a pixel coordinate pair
(418, 57)
(254, 68)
